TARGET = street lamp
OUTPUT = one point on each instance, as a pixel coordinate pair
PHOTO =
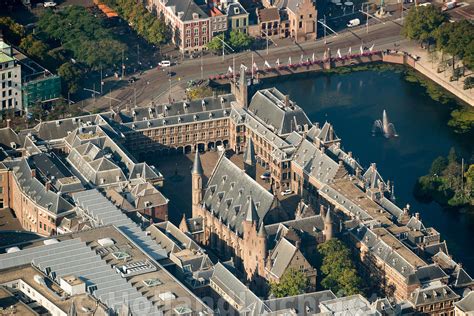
(224, 44)
(267, 38)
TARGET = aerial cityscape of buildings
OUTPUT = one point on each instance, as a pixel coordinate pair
(262, 189)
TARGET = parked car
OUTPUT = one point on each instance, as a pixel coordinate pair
(286, 192)
(265, 175)
(49, 4)
(164, 63)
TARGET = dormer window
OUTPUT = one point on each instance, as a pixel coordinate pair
(236, 10)
(195, 16)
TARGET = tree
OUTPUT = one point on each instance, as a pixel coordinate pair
(71, 75)
(456, 39)
(215, 44)
(240, 40)
(12, 31)
(422, 23)
(438, 166)
(34, 48)
(338, 270)
(293, 282)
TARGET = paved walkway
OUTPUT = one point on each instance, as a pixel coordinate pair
(429, 68)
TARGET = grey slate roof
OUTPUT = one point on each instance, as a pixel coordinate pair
(227, 195)
(237, 291)
(249, 153)
(430, 273)
(270, 107)
(188, 7)
(316, 163)
(9, 139)
(304, 304)
(36, 190)
(310, 225)
(466, 304)
(235, 9)
(435, 292)
(348, 306)
(281, 257)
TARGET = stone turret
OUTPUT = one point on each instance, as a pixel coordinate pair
(328, 225)
(252, 216)
(250, 163)
(196, 175)
(239, 88)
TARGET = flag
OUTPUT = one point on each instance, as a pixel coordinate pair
(267, 64)
(371, 47)
(339, 53)
(243, 66)
(301, 58)
(289, 60)
(313, 58)
(230, 69)
(361, 50)
(325, 56)
(255, 66)
(350, 51)
(278, 62)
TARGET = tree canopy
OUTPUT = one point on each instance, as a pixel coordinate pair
(338, 270)
(153, 29)
(447, 183)
(421, 23)
(12, 31)
(237, 40)
(457, 39)
(82, 34)
(293, 282)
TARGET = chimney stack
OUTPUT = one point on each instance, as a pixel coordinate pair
(8, 122)
(47, 185)
(287, 100)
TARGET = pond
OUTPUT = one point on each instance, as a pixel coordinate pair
(353, 101)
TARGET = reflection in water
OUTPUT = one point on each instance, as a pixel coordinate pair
(402, 159)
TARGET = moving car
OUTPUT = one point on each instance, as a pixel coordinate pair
(49, 4)
(164, 63)
(286, 192)
(449, 5)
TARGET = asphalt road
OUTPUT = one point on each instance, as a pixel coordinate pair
(155, 83)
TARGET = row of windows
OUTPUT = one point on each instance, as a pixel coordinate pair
(196, 31)
(196, 41)
(196, 136)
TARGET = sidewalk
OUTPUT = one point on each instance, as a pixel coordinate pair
(429, 69)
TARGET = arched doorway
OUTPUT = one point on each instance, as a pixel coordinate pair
(218, 143)
(201, 147)
(211, 146)
(188, 149)
(180, 150)
(226, 143)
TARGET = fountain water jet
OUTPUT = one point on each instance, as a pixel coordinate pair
(384, 126)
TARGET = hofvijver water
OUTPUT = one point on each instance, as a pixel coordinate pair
(352, 102)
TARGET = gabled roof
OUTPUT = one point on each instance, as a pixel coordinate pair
(228, 193)
(187, 7)
(467, 303)
(434, 293)
(274, 109)
(281, 257)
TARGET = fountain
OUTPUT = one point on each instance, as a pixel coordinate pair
(384, 126)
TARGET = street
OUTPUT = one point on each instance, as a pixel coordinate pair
(154, 85)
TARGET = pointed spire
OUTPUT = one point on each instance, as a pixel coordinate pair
(327, 218)
(251, 211)
(262, 232)
(249, 154)
(197, 166)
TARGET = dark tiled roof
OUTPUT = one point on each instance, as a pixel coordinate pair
(268, 14)
(284, 116)
(228, 193)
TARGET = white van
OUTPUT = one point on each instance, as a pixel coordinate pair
(49, 4)
(353, 22)
(164, 63)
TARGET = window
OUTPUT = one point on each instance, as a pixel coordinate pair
(196, 41)
(188, 42)
(204, 40)
(300, 24)
(237, 23)
(196, 31)
(204, 29)
(188, 32)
